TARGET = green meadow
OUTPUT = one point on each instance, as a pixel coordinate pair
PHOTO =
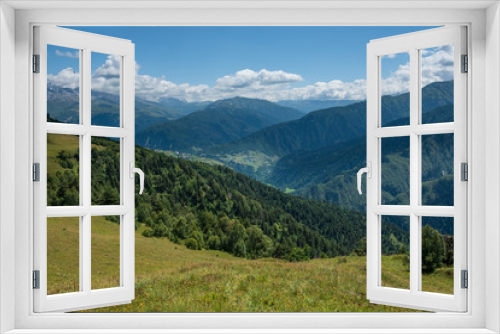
(172, 278)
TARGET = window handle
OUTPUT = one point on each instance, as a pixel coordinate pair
(368, 171)
(134, 170)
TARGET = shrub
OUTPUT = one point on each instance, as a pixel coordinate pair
(360, 249)
(191, 243)
(433, 249)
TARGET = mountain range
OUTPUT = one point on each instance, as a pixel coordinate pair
(63, 105)
(307, 106)
(220, 123)
(326, 127)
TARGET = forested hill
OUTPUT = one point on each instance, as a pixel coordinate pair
(334, 125)
(329, 173)
(211, 207)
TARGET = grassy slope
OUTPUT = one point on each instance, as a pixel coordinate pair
(171, 278)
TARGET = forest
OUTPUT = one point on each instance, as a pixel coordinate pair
(203, 206)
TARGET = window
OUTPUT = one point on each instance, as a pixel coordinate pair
(429, 132)
(75, 207)
(484, 239)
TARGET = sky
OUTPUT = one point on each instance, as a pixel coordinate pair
(274, 63)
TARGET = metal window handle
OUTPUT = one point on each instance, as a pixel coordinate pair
(134, 170)
(368, 171)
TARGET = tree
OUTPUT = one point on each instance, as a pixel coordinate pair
(433, 249)
(258, 244)
(239, 248)
(449, 258)
(360, 249)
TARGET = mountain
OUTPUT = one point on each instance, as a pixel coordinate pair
(63, 105)
(182, 107)
(211, 207)
(333, 125)
(221, 122)
(329, 173)
(307, 106)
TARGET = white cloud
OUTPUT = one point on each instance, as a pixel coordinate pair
(68, 54)
(249, 78)
(437, 65)
(391, 56)
(67, 78)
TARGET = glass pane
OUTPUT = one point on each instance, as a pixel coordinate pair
(106, 74)
(396, 251)
(105, 171)
(63, 180)
(437, 254)
(105, 252)
(437, 170)
(437, 84)
(395, 171)
(63, 255)
(63, 84)
(395, 89)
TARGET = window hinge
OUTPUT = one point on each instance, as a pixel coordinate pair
(464, 171)
(465, 64)
(36, 279)
(465, 279)
(36, 63)
(36, 172)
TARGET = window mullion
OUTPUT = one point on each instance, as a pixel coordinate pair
(414, 171)
(85, 164)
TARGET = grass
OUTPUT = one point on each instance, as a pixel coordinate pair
(252, 159)
(172, 278)
(57, 143)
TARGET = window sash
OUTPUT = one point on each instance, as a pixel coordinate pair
(414, 298)
(87, 43)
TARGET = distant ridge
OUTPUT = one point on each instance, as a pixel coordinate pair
(220, 123)
(334, 125)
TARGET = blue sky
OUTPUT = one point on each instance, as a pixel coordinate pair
(291, 57)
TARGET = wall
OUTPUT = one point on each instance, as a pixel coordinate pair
(492, 163)
(7, 160)
(284, 17)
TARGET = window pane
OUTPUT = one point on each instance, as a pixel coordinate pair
(63, 255)
(105, 252)
(63, 180)
(105, 171)
(437, 254)
(437, 73)
(396, 252)
(63, 84)
(395, 171)
(395, 89)
(437, 170)
(106, 77)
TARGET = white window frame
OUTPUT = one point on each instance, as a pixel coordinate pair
(86, 44)
(484, 211)
(413, 43)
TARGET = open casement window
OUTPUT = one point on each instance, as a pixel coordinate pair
(70, 166)
(431, 205)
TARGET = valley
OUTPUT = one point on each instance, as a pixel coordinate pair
(252, 207)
